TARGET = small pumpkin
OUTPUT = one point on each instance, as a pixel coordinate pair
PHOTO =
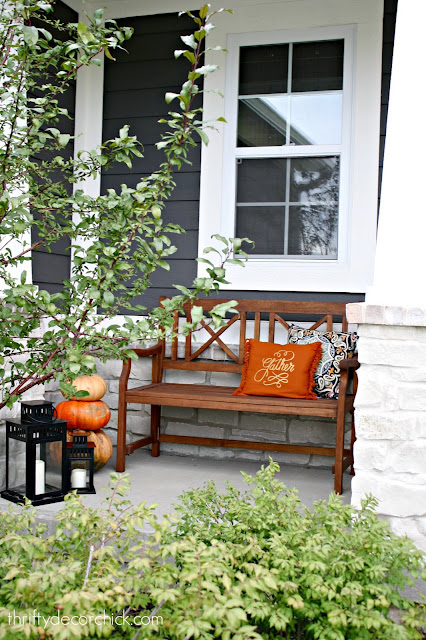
(94, 384)
(101, 453)
(89, 416)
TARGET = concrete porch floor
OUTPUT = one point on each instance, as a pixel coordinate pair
(161, 480)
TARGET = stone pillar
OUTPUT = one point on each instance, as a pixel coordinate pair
(390, 415)
(390, 410)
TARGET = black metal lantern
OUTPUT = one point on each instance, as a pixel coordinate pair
(80, 464)
(38, 442)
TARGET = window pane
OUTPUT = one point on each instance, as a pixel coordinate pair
(316, 119)
(263, 69)
(317, 66)
(313, 230)
(264, 225)
(262, 122)
(314, 180)
(261, 180)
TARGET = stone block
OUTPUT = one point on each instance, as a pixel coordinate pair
(373, 314)
(113, 420)
(395, 498)
(111, 399)
(263, 422)
(184, 377)
(370, 454)
(255, 456)
(185, 413)
(54, 396)
(355, 312)
(110, 369)
(313, 432)
(412, 397)
(383, 425)
(321, 462)
(217, 453)
(260, 435)
(201, 431)
(141, 369)
(393, 353)
(373, 385)
(414, 528)
(217, 416)
(174, 448)
(139, 424)
(113, 386)
(112, 433)
(226, 379)
(402, 374)
(407, 457)
(298, 459)
(392, 332)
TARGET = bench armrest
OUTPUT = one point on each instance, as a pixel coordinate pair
(349, 363)
(142, 353)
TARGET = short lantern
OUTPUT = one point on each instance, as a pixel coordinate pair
(80, 464)
(29, 442)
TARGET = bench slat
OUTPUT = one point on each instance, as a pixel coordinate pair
(217, 397)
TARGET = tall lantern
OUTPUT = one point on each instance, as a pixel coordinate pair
(30, 439)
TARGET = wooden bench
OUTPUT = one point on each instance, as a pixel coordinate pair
(159, 393)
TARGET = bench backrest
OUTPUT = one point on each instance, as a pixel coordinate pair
(324, 315)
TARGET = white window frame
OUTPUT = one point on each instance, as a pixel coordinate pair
(272, 273)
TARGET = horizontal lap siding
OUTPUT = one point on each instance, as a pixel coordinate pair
(389, 18)
(134, 94)
(134, 89)
(50, 269)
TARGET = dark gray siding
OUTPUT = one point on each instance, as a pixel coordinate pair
(389, 18)
(50, 269)
(135, 86)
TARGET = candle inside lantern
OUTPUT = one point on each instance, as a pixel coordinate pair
(40, 476)
(78, 478)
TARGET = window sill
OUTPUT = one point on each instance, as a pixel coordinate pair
(298, 275)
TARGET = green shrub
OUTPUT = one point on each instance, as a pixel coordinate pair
(240, 565)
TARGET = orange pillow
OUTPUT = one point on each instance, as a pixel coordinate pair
(285, 371)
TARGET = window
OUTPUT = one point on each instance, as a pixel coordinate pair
(290, 100)
(287, 145)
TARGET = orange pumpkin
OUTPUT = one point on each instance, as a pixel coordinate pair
(89, 416)
(102, 451)
(94, 384)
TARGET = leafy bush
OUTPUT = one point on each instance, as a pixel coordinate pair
(255, 564)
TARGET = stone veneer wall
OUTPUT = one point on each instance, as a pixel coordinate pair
(390, 415)
(212, 423)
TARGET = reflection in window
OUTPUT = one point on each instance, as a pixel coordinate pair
(289, 205)
(301, 119)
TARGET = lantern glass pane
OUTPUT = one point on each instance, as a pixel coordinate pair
(51, 454)
(17, 466)
(80, 474)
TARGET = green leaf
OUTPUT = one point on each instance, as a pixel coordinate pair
(196, 314)
(108, 298)
(170, 96)
(189, 41)
(30, 35)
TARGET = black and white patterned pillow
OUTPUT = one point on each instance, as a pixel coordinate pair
(335, 347)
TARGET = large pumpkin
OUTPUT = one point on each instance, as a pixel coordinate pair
(94, 384)
(102, 451)
(89, 416)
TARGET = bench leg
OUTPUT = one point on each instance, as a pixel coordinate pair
(155, 430)
(340, 443)
(353, 438)
(121, 436)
